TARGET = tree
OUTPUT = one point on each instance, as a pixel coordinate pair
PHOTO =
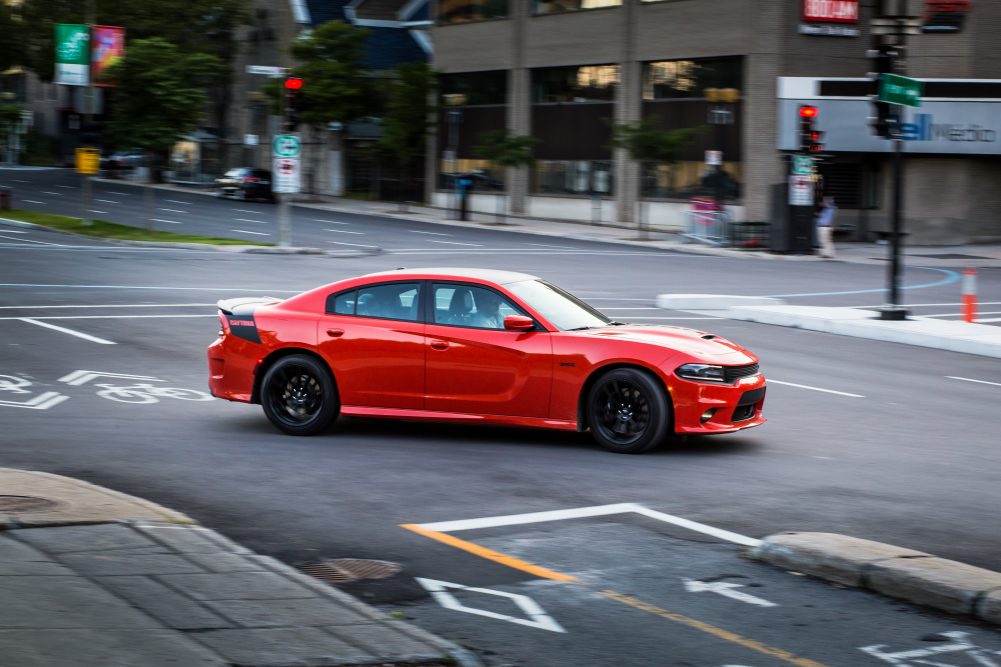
(10, 117)
(159, 95)
(11, 50)
(506, 150)
(335, 86)
(407, 117)
(646, 141)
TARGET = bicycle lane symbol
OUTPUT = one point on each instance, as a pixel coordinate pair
(964, 654)
(140, 393)
(17, 385)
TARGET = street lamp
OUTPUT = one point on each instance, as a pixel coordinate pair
(721, 101)
(454, 116)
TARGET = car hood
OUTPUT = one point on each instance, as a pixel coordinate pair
(687, 341)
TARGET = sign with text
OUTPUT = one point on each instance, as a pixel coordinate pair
(830, 11)
(801, 190)
(896, 89)
(286, 145)
(108, 48)
(88, 160)
(72, 44)
(286, 175)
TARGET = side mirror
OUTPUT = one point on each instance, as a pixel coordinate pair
(518, 323)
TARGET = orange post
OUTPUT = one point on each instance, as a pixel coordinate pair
(969, 295)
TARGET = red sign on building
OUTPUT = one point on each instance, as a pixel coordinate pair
(831, 11)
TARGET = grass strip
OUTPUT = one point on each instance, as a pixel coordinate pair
(110, 230)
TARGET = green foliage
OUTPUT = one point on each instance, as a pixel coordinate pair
(334, 87)
(505, 149)
(11, 45)
(648, 142)
(159, 94)
(405, 120)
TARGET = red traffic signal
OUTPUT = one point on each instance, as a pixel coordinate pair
(293, 83)
(807, 111)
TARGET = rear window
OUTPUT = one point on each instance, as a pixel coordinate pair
(233, 173)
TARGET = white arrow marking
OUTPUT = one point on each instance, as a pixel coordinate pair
(82, 377)
(725, 588)
(539, 618)
(40, 402)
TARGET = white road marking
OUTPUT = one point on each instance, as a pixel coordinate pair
(358, 245)
(961, 643)
(173, 222)
(171, 210)
(14, 384)
(156, 287)
(65, 187)
(260, 222)
(177, 201)
(15, 231)
(988, 319)
(546, 245)
(110, 305)
(32, 201)
(79, 377)
(106, 201)
(632, 308)
(342, 231)
(49, 192)
(725, 588)
(475, 245)
(110, 317)
(537, 618)
(681, 318)
(41, 402)
(78, 334)
(953, 377)
(18, 180)
(243, 210)
(120, 194)
(806, 386)
(414, 231)
(330, 222)
(23, 240)
(244, 231)
(91, 210)
(586, 512)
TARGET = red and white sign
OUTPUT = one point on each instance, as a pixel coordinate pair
(286, 175)
(831, 11)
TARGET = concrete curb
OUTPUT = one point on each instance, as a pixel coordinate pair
(893, 571)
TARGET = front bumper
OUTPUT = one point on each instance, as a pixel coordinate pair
(733, 406)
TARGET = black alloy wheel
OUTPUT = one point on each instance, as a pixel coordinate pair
(299, 396)
(627, 411)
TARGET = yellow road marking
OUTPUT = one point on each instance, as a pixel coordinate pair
(708, 628)
(489, 554)
(546, 573)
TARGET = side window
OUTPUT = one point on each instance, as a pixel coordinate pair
(395, 301)
(470, 306)
(342, 304)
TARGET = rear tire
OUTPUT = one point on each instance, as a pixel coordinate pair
(628, 411)
(299, 395)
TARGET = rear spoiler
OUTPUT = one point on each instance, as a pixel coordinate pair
(245, 304)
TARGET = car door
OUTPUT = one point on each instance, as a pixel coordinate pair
(476, 366)
(373, 339)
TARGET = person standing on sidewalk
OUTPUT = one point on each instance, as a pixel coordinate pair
(825, 227)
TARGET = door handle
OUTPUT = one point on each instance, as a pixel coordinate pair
(439, 345)
(335, 333)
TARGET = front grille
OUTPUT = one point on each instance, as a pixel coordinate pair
(743, 413)
(733, 373)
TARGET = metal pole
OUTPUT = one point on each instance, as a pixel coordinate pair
(895, 311)
(85, 190)
(284, 224)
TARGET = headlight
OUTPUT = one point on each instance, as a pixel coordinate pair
(701, 372)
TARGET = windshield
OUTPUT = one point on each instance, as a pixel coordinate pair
(561, 308)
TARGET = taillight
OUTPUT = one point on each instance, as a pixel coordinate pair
(251, 179)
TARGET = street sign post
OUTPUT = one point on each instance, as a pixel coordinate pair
(72, 42)
(802, 165)
(896, 89)
(88, 163)
(286, 175)
(267, 70)
(286, 145)
(286, 150)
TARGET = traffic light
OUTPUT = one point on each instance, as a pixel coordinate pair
(809, 137)
(886, 117)
(293, 93)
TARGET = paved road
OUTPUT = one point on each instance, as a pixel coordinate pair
(866, 438)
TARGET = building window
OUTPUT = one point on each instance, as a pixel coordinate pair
(584, 83)
(678, 79)
(478, 87)
(573, 177)
(559, 6)
(465, 11)
(690, 178)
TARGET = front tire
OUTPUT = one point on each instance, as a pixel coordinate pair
(299, 395)
(628, 411)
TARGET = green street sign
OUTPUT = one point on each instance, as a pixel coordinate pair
(286, 145)
(72, 42)
(802, 165)
(895, 89)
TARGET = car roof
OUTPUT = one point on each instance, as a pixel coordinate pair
(490, 275)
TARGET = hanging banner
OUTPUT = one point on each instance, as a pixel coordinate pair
(72, 54)
(108, 47)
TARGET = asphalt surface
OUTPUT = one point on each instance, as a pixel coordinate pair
(870, 439)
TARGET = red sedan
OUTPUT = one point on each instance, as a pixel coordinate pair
(478, 346)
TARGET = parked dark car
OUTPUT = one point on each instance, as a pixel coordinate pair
(245, 183)
(120, 162)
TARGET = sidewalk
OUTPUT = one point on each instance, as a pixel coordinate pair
(91, 577)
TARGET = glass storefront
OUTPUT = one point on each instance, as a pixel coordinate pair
(572, 177)
(583, 83)
(679, 79)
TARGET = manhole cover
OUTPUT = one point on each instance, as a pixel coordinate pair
(343, 570)
(25, 504)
